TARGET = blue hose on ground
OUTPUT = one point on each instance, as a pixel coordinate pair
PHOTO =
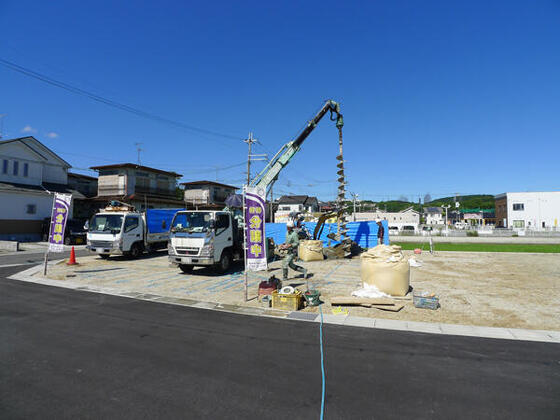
(322, 364)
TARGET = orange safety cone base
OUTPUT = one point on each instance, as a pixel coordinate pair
(72, 260)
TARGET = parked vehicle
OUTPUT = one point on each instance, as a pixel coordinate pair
(120, 230)
(427, 230)
(74, 233)
(461, 225)
(205, 238)
(409, 229)
(393, 230)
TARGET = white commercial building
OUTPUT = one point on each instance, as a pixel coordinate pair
(529, 210)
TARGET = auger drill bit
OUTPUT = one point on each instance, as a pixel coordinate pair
(342, 230)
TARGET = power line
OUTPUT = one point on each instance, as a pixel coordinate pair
(109, 102)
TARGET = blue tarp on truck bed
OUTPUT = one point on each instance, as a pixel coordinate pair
(363, 233)
(155, 217)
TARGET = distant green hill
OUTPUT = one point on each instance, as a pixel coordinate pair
(483, 201)
(396, 205)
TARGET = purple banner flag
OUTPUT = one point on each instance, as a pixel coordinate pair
(59, 216)
(255, 240)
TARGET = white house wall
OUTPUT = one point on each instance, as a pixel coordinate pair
(539, 207)
(34, 175)
(14, 205)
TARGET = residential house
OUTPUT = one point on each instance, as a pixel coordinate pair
(434, 216)
(206, 194)
(407, 217)
(140, 186)
(29, 173)
(295, 204)
(528, 210)
(86, 185)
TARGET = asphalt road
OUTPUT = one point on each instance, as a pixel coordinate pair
(72, 354)
(31, 258)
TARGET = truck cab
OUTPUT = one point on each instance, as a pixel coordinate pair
(204, 238)
(116, 233)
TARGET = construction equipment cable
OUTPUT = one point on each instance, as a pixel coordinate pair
(323, 381)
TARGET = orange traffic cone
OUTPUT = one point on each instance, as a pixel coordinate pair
(72, 260)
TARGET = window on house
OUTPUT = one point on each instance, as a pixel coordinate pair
(519, 223)
(5, 166)
(16, 167)
(25, 169)
(31, 209)
(518, 206)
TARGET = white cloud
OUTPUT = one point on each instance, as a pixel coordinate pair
(52, 135)
(28, 129)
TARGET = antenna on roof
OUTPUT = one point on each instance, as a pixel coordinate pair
(2, 124)
(138, 149)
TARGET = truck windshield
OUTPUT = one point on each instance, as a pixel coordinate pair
(191, 222)
(106, 223)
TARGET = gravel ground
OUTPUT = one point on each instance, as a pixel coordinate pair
(514, 290)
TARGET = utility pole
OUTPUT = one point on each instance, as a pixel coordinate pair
(354, 197)
(271, 217)
(250, 140)
(253, 157)
(446, 207)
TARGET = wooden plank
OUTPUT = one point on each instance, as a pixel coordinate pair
(392, 308)
(352, 300)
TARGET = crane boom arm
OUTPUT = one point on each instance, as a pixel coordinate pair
(266, 178)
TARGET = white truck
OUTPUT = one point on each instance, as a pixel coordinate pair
(205, 238)
(120, 230)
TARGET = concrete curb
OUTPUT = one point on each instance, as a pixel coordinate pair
(544, 336)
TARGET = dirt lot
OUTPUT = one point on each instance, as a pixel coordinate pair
(487, 289)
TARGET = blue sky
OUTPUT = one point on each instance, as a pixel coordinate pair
(438, 97)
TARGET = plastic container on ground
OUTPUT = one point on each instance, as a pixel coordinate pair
(425, 300)
(312, 297)
(291, 302)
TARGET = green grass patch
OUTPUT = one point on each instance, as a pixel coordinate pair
(468, 247)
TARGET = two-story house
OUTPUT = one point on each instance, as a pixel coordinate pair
(86, 185)
(140, 186)
(206, 194)
(29, 173)
(434, 216)
(288, 204)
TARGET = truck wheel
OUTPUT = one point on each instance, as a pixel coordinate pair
(135, 251)
(225, 262)
(186, 268)
(104, 256)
